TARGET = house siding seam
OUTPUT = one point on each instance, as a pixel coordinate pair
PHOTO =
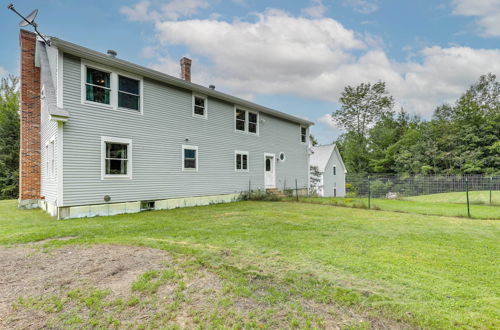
(29, 160)
(157, 137)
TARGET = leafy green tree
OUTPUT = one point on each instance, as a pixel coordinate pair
(9, 137)
(362, 107)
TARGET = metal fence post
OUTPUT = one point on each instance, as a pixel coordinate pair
(491, 186)
(296, 190)
(369, 193)
(467, 194)
(249, 188)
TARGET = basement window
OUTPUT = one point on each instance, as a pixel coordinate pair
(147, 205)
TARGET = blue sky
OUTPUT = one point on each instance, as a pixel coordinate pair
(295, 56)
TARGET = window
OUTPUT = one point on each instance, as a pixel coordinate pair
(240, 119)
(110, 88)
(282, 156)
(98, 86)
(116, 158)
(252, 122)
(199, 106)
(334, 170)
(128, 93)
(303, 134)
(189, 158)
(246, 121)
(241, 161)
(50, 158)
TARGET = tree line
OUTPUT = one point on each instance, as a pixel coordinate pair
(462, 138)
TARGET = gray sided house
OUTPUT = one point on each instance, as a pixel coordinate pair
(330, 181)
(116, 137)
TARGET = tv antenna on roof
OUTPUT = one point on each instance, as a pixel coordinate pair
(29, 20)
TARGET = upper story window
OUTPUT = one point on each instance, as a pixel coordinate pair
(246, 121)
(200, 106)
(98, 86)
(116, 158)
(189, 158)
(334, 170)
(128, 93)
(241, 162)
(110, 88)
(303, 134)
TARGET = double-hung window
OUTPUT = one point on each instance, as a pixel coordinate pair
(246, 121)
(303, 134)
(189, 158)
(199, 106)
(116, 158)
(128, 93)
(111, 88)
(241, 161)
(98, 86)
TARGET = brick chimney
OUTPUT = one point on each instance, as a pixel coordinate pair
(29, 153)
(186, 69)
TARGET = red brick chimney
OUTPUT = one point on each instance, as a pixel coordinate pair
(29, 154)
(186, 69)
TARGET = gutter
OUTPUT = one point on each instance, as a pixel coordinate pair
(93, 55)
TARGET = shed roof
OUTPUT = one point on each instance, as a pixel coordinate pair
(322, 154)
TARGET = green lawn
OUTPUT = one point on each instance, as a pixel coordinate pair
(475, 197)
(420, 205)
(425, 271)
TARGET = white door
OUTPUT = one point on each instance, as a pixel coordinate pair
(269, 171)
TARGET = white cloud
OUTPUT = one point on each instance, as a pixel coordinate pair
(278, 53)
(362, 6)
(173, 10)
(317, 9)
(3, 72)
(487, 13)
(327, 120)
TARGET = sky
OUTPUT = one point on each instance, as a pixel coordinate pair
(293, 56)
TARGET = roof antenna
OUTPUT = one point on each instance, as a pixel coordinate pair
(29, 20)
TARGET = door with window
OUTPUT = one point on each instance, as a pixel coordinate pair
(269, 171)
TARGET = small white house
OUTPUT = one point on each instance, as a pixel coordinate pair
(329, 179)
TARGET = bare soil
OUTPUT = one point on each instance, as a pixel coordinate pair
(196, 297)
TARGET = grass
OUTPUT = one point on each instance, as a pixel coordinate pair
(419, 205)
(475, 197)
(425, 271)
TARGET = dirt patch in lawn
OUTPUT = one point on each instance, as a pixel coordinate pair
(111, 286)
(29, 272)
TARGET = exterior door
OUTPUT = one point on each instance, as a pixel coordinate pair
(269, 171)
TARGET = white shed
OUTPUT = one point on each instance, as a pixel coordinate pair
(330, 179)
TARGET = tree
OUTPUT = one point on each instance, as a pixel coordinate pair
(313, 140)
(362, 107)
(9, 137)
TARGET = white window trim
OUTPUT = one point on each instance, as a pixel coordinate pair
(184, 147)
(300, 137)
(113, 95)
(205, 112)
(240, 152)
(247, 122)
(52, 158)
(110, 139)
